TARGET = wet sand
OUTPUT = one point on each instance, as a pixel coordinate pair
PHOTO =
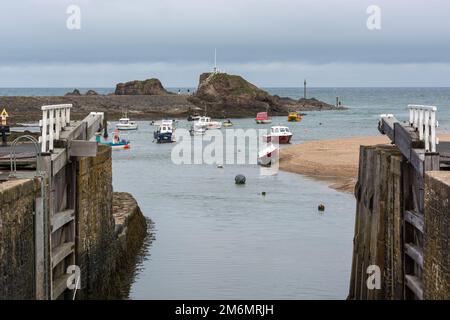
(333, 161)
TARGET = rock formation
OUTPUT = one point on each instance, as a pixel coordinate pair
(75, 92)
(223, 94)
(91, 93)
(145, 87)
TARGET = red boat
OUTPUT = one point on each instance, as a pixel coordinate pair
(262, 117)
(278, 134)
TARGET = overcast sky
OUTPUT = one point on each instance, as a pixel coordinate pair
(270, 42)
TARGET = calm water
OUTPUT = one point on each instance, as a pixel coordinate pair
(216, 240)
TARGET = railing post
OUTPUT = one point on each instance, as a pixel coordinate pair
(51, 129)
(433, 131)
(44, 131)
(427, 130)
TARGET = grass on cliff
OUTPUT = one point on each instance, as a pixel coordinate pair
(234, 85)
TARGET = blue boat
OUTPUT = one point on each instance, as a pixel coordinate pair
(116, 143)
(165, 132)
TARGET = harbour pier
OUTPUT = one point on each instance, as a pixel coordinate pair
(60, 235)
(402, 217)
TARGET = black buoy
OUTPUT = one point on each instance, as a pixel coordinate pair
(239, 179)
(263, 193)
(321, 207)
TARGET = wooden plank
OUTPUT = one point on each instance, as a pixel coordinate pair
(61, 218)
(415, 285)
(59, 285)
(61, 252)
(387, 127)
(415, 253)
(81, 148)
(406, 139)
(41, 287)
(59, 160)
(94, 124)
(415, 219)
(76, 131)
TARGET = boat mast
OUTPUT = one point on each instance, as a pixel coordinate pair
(215, 60)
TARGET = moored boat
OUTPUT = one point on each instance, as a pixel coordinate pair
(268, 155)
(197, 130)
(262, 118)
(227, 123)
(165, 132)
(278, 134)
(116, 143)
(293, 116)
(126, 124)
(208, 123)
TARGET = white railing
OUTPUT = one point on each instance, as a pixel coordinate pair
(54, 119)
(423, 119)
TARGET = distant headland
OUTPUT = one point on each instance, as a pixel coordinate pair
(221, 95)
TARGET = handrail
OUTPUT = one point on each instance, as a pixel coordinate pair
(423, 119)
(54, 119)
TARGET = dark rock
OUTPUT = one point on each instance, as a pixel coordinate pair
(91, 93)
(145, 87)
(75, 92)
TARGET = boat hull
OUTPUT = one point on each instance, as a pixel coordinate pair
(128, 127)
(163, 137)
(268, 156)
(116, 146)
(278, 139)
(266, 121)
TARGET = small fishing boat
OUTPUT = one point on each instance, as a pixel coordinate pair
(278, 134)
(209, 125)
(262, 118)
(293, 116)
(193, 118)
(116, 143)
(227, 123)
(126, 124)
(197, 130)
(268, 155)
(165, 132)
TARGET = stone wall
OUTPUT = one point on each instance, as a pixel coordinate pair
(436, 273)
(17, 239)
(110, 230)
(95, 223)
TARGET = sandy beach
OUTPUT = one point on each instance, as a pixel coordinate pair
(333, 161)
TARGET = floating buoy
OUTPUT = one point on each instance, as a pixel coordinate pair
(239, 179)
(220, 166)
(263, 193)
(321, 207)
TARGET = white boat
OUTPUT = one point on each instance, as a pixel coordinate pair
(126, 124)
(197, 130)
(208, 124)
(278, 134)
(165, 132)
(268, 155)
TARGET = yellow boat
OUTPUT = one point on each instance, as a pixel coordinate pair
(294, 117)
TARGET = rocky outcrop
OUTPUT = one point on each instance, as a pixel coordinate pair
(224, 95)
(146, 87)
(91, 93)
(75, 92)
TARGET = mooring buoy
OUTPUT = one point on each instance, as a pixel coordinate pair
(263, 193)
(239, 179)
